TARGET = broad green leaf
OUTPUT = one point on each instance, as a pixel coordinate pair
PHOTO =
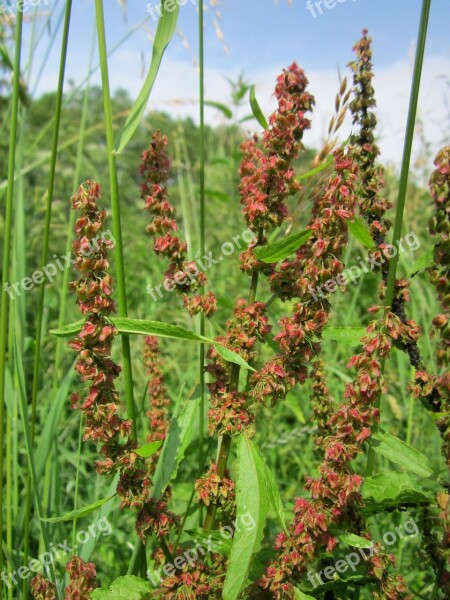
(281, 249)
(251, 497)
(80, 512)
(180, 435)
(256, 110)
(214, 541)
(125, 325)
(231, 356)
(400, 453)
(351, 539)
(166, 28)
(361, 233)
(149, 449)
(347, 336)
(424, 262)
(385, 491)
(222, 107)
(124, 588)
(299, 595)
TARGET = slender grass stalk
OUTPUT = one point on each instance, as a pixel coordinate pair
(201, 53)
(7, 250)
(404, 175)
(76, 182)
(40, 303)
(117, 229)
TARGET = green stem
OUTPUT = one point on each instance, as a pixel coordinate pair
(7, 251)
(201, 428)
(115, 206)
(76, 180)
(40, 305)
(404, 175)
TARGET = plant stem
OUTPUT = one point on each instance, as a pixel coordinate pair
(404, 175)
(201, 427)
(40, 305)
(7, 251)
(117, 229)
(76, 181)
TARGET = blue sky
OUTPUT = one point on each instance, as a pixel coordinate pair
(262, 37)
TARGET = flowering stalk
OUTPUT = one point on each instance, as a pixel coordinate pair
(155, 171)
(335, 494)
(82, 581)
(266, 183)
(99, 404)
(365, 149)
(158, 414)
(434, 390)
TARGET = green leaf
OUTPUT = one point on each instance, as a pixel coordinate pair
(80, 512)
(251, 498)
(88, 548)
(127, 326)
(180, 435)
(149, 449)
(351, 539)
(217, 195)
(124, 588)
(222, 107)
(424, 262)
(166, 28)
(400, 453)
(222, 545)
(299, 595)
(386, 491)
(279, 250)
(256, 110)
(347, 336)
(361, 233)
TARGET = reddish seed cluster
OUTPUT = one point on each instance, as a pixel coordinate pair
(316, 262)
(100, 407)
(155, 518)
(200, 582)
(158, 414)
(82, 579)
(212, 489)
(321, 401)
(229, 414)
(42, 588)
(248, 326)
(183, 274)
(365, 150)
(267, 176)
(435, 389)
(335, 493)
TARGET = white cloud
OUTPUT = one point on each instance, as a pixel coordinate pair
(176, 92)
